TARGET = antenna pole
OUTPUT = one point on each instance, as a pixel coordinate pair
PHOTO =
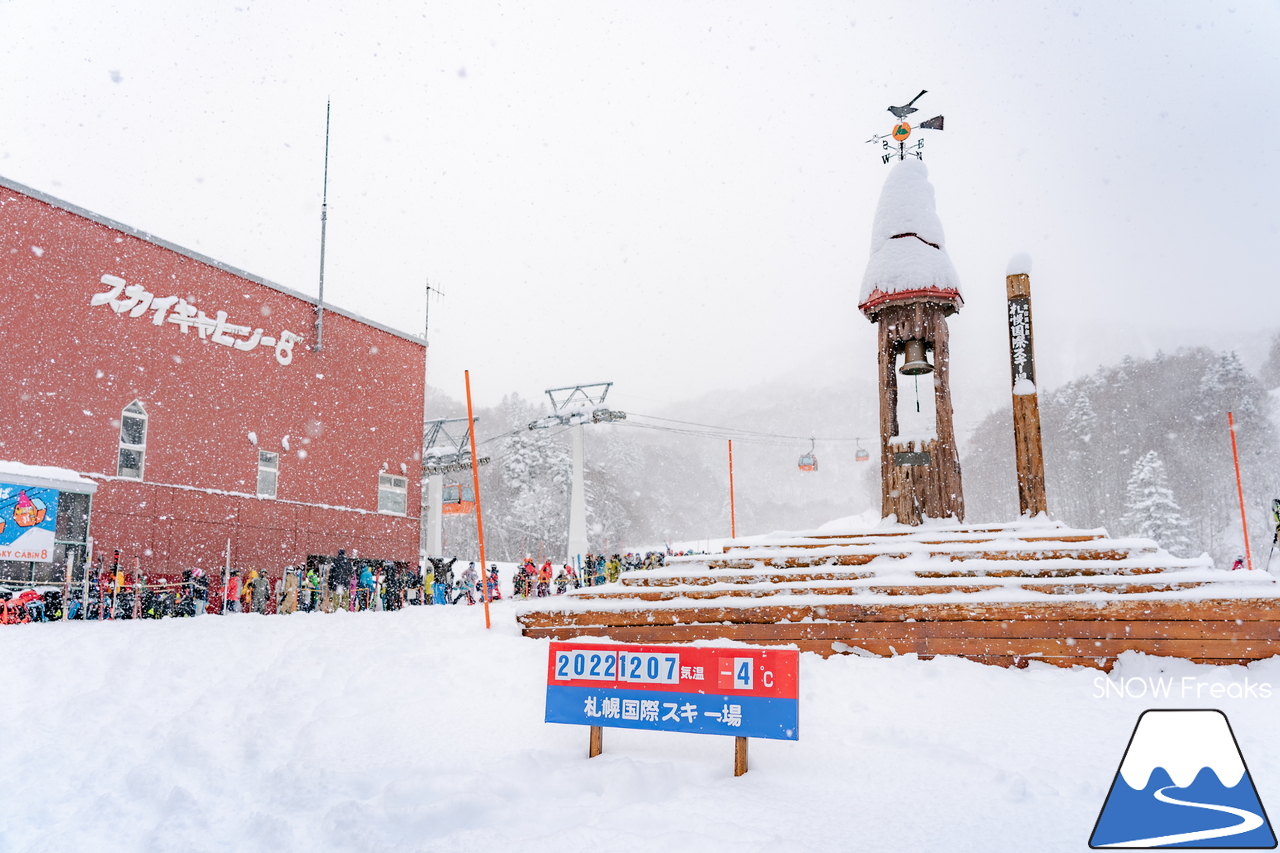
(324, 218)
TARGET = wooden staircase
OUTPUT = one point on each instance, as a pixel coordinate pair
(1003, 594)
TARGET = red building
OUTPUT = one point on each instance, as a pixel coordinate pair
(191, 393)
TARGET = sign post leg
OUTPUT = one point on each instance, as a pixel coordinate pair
(739, 756)
(597, 742)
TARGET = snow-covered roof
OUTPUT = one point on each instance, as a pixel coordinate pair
(21, 474)
(908, 247)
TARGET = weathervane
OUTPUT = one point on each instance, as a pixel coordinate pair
(902, 130)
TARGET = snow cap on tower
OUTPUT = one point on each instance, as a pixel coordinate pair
(909, 260)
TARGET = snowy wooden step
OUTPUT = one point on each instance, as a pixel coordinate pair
(826, 542)
(1101, 583)
(886, 590)
(788, 557)
(1065, 633)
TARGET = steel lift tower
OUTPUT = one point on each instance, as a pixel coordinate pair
(444, 452)
(575, 406)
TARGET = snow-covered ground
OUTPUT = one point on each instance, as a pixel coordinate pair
(420, 730)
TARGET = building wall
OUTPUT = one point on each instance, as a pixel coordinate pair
(337, 418)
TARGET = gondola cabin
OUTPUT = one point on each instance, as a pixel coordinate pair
(809, 462)
(458, 500)
(862, 455)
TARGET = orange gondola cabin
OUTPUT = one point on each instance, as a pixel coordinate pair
(458, 500)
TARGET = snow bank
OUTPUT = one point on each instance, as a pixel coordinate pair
(420, 731)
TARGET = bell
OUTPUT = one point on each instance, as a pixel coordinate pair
(915, 363)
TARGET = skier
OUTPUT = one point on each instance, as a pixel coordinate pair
(340, 576)
(231, 594)
(1238, 564)
(310, 589)
(468, 584)
(562, 581)
(544, 580)
(442, 586)
(365, 595)
(391, 586)
(1275, 539)
(200, 585)
(290, 603)
(261, 587)
(495, 592)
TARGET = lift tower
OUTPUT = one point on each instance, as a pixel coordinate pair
(443, 452)
(574, 406)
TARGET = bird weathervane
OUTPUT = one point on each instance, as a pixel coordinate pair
(902, 131)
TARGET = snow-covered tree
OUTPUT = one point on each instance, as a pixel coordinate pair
(1270, 373)
(1096, 427)
(1150, 510)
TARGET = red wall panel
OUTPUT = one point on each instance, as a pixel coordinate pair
(70, 367)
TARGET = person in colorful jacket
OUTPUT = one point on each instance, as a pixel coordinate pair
(231, 595)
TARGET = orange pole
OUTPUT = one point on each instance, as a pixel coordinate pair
(1235, 455)
(733, 518)
(475, 484)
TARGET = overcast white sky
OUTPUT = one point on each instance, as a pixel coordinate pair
(674, 196)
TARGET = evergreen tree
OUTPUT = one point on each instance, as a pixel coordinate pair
(1150, 509)
(1270, 373)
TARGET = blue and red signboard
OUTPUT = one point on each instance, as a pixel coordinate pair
(710, 691)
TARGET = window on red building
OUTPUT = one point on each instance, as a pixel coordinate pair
(393, 494)
(268, 473)
(133, 441)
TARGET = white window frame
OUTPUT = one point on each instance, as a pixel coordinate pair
(268, 463)
(135, 411)
(390, 487)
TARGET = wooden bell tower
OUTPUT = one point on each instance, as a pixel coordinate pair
(919, 474)
(909, 289)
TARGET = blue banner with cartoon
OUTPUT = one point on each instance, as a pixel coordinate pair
(28, 518)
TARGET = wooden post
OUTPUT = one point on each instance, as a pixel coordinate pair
(475, 484)
(596, 745)
(739, 756)
(733, 517)
(1026, 406)
(1235, 455)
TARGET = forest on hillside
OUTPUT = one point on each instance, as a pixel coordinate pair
(1143, 449)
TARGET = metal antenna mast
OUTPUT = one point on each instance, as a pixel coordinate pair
(324, 218)
(426, 323)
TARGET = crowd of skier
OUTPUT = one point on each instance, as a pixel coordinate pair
(113, 591)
